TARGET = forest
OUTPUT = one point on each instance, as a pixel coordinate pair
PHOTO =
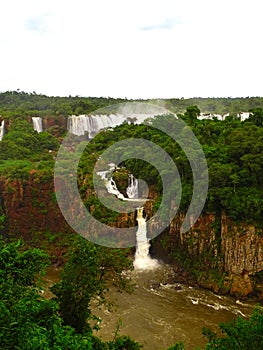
(234, 153)
(20, 103)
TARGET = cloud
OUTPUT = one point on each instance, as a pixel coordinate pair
(38, 23)
(168, 23)
(134, 49)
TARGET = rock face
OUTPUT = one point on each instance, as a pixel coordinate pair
(242, 246)
(30, 205)
(214, 242)
(220, 245)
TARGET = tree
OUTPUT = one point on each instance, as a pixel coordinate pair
(191, 114)
(30, 322)
(238, 334)
(257, 116)
(86, 275)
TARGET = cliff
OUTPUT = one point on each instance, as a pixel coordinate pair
(221, 255)
(31, 213)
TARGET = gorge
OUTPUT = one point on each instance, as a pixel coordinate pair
(222, 252)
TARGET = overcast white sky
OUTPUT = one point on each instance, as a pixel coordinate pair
(132, 48)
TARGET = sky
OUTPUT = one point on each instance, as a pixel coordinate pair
(132, 48)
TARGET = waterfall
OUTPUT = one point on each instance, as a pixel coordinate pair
(110, 183)
(132, 189)
(37, 124)
(2, 130)
(112, 188)
(92, 124)
(143, 260)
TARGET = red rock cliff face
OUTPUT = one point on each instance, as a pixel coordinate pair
(30, 205)
(236, 249)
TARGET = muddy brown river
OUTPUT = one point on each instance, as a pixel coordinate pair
(158, 314)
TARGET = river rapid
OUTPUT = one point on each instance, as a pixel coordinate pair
(157, 314)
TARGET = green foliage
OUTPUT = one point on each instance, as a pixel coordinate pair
(19, 103)
(238, 334)
(22, 142)
(177, 346)
(191, 114)
(86, 275)
(123, 343)
(233, 150)
(29, 322)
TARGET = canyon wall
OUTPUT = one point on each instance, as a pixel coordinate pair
(229, 256)
(30, 205)
(226, 257)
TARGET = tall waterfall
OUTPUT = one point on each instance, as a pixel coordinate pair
(92, 124)
(2, 130)
(37, 124)
(143, 260)
(132, 189)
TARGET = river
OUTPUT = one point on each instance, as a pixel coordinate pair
(157, 314)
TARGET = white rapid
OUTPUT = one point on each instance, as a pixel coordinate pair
(132, 189)
(2, 130)
(112, 188)
(37, 124)
(110, 183)
(92, 124)
(143, 260)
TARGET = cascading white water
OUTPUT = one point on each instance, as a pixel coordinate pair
(112, 188)
(2, 130)
(132, 189)
(143, 260)
(110, 184)
(92, 124)
(37, 124)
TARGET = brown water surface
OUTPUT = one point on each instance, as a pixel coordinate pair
(158, 314)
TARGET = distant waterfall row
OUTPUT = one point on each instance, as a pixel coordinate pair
(92, 124)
